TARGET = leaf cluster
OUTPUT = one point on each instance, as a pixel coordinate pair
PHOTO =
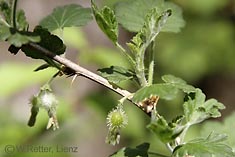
(153, 20)
(20, 38)
(148, 19)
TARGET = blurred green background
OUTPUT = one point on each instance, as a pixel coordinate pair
(203, 54)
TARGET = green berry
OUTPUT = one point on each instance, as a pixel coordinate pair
(116, 120)
(47, 99)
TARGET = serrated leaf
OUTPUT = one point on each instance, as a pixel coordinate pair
(166, 132)
(153, 24)
(226, 127)
(164, 91)
(107, 22)
(6, 11)
(5, 32)
(196, 109)
(17, 35)
(17, 38)
(140, 151)
(116, 74)
(178, 83)
(131, 14)
(20, 38)
(172, 79)
(21, 22)
(211, 146)
(48, 41)
(67, 16)
(175, 22)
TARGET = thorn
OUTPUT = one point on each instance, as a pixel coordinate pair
(50, 123)
(74, 77)
(53, 122)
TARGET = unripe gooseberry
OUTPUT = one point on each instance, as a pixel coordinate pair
(117, 118)
(47, 99)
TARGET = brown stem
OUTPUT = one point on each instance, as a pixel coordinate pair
(86, 73)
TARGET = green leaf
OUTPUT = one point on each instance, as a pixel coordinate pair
(172, 79)
(48, 41)
(175, 22)
(42, 67)
(178, 83)
(196, 109)
(225, 127)
(67, 16)
(21, 22)
(153, 24)
(211, 146)
(6, 11)
(111, 3)
(116, 74)
(107, 22)
(164, 91)
(140, 151)
(17, 38)
(20, 38)
(131, 14)
(166, 132)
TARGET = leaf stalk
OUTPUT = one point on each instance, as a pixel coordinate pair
(13, 13)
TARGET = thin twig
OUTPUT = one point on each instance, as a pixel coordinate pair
(85, 73)
(13, 13)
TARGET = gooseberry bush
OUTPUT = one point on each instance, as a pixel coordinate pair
(145, 19)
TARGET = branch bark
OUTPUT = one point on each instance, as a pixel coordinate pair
(86, 73)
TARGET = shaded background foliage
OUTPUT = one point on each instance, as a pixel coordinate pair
(202, 54)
